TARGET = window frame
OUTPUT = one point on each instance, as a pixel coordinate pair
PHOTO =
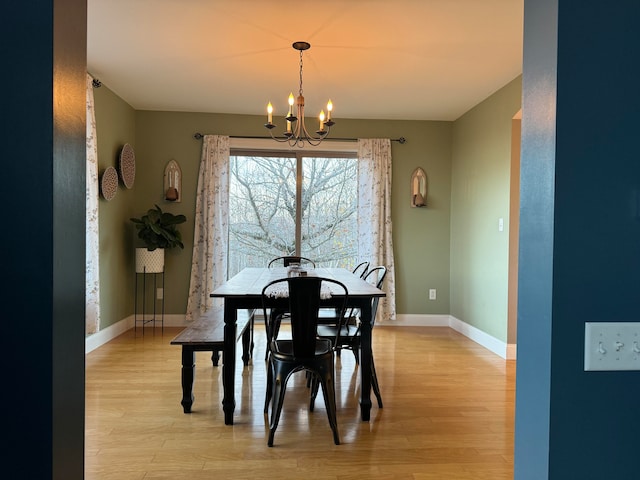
(297, 154)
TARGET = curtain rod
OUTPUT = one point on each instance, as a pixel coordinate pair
(199, 136)
(95, 82)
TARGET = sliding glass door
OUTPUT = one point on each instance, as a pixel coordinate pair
(292, 203)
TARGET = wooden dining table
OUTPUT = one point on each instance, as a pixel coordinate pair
(244, 291)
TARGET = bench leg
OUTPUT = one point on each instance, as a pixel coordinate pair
(188, 370)
(215, 357)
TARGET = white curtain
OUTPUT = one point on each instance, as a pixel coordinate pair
(92, 275)
(210, 239)
(374, 215)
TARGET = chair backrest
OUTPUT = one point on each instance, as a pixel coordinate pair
(287, 260)
(361, 269)
(375, 276)
(304, 300)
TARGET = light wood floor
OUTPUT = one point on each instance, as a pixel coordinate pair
(448, 414)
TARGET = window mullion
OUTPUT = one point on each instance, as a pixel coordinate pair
(298, 204)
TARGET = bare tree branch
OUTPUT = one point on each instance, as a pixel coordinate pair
(263, 209)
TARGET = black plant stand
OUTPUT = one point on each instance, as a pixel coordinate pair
(157, 304)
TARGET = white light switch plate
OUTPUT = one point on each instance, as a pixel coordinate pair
(612, 346)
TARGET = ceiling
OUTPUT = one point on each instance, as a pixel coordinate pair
(375, 59)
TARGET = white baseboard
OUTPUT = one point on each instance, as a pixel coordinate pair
(422, 320)
(502, 349)
(107, 334)
(103, 336)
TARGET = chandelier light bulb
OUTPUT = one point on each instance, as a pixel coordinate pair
(270, 113)
(291, 100)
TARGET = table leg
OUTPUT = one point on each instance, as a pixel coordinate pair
(229, 361)
(365, 361)
(188, 371)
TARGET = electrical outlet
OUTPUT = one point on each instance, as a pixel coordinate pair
(160, 293)
(432, 294)
(612, 346)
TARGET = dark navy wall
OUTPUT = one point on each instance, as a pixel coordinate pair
(43, 51)
(28, 422)
(535, 263)
(597, 235)
(594, 201)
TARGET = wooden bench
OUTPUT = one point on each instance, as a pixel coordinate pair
(207, 334)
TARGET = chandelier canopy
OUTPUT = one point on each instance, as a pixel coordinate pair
(296, 133)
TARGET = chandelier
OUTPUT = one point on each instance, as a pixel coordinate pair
(296, 133)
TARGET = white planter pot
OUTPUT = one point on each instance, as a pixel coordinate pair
(149, 261)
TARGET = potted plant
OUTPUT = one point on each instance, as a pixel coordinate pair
(158, 230)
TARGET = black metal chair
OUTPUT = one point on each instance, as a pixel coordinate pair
(289, 259)
(304, 351)
(278, 315)
(329, 316)
(347, 331)
(361, 269)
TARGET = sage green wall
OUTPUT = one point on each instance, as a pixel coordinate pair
(453, 245)
(421, 235)
(480, 181)
(115, 125)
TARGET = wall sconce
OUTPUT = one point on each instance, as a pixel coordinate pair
(418, 188)
(173, 182)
